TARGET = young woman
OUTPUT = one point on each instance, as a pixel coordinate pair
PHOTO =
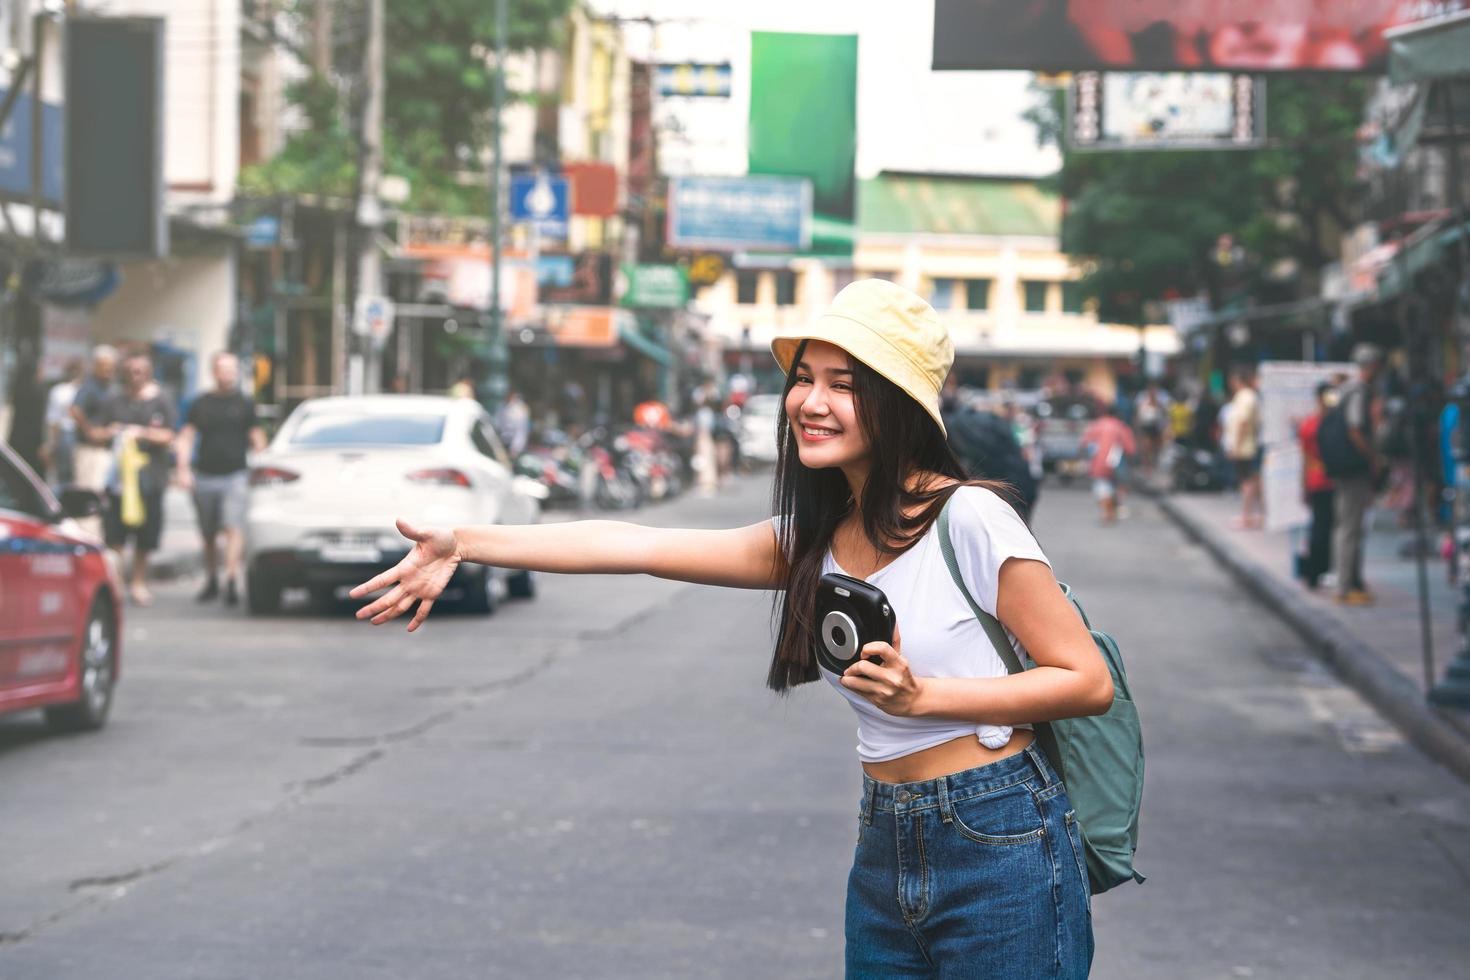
(969, 861)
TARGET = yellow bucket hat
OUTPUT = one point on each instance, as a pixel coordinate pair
(891, 330)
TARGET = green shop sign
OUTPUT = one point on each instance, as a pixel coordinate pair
(655, 286)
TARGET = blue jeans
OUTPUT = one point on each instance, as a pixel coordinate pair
(979, 874)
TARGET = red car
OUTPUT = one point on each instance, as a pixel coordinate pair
(60, 603)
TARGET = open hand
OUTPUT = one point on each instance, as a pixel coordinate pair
(420, 577)
(890, 685)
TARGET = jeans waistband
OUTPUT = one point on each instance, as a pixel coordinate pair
(941, 792)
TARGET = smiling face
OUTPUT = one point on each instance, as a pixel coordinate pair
(822, 410)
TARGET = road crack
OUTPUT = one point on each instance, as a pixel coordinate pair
(104, 888)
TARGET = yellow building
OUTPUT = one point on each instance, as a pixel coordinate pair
(984, 251)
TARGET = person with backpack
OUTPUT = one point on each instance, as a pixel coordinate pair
(971, 859)
(987, 448)
(1347, 439)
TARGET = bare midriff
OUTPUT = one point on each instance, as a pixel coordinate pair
(946, 759)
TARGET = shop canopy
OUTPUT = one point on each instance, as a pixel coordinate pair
(1430, 51)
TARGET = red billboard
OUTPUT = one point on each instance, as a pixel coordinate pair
(1172, 35)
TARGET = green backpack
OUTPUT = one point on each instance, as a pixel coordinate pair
(1100, 758)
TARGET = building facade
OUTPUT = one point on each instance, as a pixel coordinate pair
(984, 251)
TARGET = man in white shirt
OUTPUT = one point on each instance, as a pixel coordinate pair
(1243, 445)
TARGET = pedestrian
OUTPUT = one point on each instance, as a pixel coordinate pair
(1150, 423)
(61, 426)
(139, 421)
(513, 422)
(1362, 409)
(968, 860)
(212, 451)
(463, 388)
(1318, 492)
(987, 447)
(706, 464)
(1243, 446)
(1109, 442)
(93, 457)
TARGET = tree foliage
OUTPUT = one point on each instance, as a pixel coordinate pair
(1148, 224)
(439, 77)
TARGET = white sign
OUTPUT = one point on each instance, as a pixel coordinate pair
(374, 317)
(1288, 391)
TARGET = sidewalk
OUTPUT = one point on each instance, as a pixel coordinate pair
(1377, 648)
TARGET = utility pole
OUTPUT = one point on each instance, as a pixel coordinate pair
(365, 274)
(26, 431)
(493, 385)
(321, 38)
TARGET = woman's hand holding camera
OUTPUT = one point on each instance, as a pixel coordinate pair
(420, 577)
(890, 684)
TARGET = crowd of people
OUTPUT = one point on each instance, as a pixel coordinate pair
(114, 430)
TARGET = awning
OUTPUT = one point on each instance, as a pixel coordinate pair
(1431, 50)
(635, 338)
(1422, 249)
(1313, 310)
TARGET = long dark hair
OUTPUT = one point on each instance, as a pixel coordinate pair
(902, 439)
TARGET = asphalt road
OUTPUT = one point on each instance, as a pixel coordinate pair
(595, 784)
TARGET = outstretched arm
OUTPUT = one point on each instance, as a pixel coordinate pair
(746, 557)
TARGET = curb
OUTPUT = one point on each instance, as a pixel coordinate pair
(1438, 735)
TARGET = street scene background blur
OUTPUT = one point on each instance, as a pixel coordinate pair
(276, 272)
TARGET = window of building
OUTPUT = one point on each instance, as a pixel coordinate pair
(1072, 301)
(747, 281)
(941, 294)
(785, 287)
(1035, 295)
(977, 294)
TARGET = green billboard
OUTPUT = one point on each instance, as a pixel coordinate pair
(655, 287)
(803, 113)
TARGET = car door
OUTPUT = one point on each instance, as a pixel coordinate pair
(38, 615)
(510, 505)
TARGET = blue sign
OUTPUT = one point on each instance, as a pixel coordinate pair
(555, 270)
(15, 151)
(542, 200)
(727, 214)
(263, 232)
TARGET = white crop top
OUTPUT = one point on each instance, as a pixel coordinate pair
(939, 633)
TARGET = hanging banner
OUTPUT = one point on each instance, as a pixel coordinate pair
(813, 135)
(1165, 111)
(1167, 35)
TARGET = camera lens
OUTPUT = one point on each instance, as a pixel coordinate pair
(839, 638)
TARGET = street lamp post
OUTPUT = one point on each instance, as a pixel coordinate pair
(493, 386)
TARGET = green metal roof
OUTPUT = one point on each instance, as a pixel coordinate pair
(915, 204)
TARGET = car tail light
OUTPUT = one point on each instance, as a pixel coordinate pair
(272, 476)
(443, 477)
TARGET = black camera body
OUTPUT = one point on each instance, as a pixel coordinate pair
(850, 614)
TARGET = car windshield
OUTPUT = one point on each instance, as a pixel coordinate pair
(342, 429)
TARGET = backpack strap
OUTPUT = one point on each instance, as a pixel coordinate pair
(993, 628)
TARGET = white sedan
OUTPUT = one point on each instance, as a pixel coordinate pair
(324, 495)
